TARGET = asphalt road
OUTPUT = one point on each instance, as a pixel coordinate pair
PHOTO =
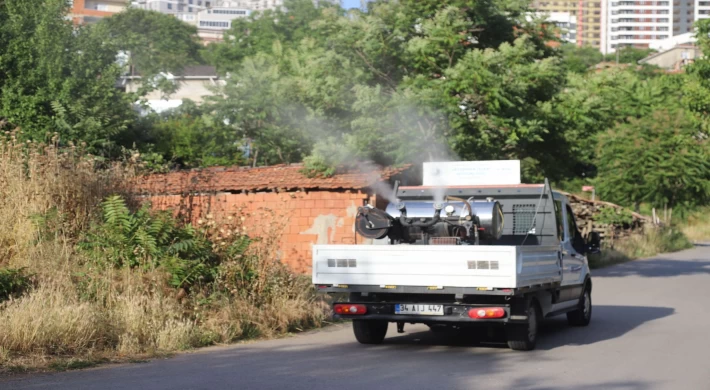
(650, 330)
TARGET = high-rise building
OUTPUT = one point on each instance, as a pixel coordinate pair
(556, 6)
(566, 24)
(702, 9)
(89, 11)
(641, 23)
(589, 17)
(591, 23)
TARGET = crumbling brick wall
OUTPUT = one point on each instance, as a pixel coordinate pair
(313, 217)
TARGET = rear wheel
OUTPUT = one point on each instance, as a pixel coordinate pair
(583, 315)
(370, 332)
(523, 337)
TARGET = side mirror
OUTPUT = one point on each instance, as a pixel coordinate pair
(594, 243)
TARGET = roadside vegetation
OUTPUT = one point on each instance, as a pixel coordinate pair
(647, 243)
(697, 226)
(87, 276)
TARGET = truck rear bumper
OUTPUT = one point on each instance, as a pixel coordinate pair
(453, 314)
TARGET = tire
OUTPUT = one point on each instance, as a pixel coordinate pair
(523, 337)
(370, 332)
(583, 315)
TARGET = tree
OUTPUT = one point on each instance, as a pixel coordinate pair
(258, 32)
(56, 77)
(155, 42)
(579, 59)
(595, 102)
(660, 159)
(629, 55)
(697, 84)
(258, 103)
(188, 138)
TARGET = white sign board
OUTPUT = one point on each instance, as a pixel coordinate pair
(471, 173)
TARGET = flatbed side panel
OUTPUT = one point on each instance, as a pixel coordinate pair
(416, 265)
(538, 265)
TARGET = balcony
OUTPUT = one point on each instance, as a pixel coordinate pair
(642, 3)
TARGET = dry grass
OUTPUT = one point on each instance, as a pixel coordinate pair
(697, 227)
(79, 311)
(648, 243)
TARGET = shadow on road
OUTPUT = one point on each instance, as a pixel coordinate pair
(533, 384)
(693, 262)
(326, 359)
(608, 323)
(657, 268)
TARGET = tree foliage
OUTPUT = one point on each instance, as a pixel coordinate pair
(57, 77)
(406, 82)
(579, 59)
(154, 42)
(660, 159)
(189, 138)
(629, 55)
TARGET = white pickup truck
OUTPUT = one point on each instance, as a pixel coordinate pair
(481, 256)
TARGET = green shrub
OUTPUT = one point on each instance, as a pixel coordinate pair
(614, 216)
(151, 240)
(13, 282)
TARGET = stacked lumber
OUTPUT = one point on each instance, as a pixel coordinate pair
(586, 210)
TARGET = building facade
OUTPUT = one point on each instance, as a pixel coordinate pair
(589, 15)
(675, 58)
(91, 11)
(702, 9)
(194, 83)
(642, 23)
(212, 17)
(591, 23)
(566, 24)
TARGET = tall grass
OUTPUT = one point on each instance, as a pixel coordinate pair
(650, 242)
(61, 298)
(697, 227)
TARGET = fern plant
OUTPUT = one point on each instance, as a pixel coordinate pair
(149, 239)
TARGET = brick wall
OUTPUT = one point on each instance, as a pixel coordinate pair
(313, 217)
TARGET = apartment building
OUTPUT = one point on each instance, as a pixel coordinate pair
(702, 9)
(591, 23)
(175, 6)
(589, 16)
(213, 22)
(641, 23)
(566, 24)
(91, 11)
(253, 5)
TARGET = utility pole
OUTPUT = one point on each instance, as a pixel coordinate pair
(617, 54)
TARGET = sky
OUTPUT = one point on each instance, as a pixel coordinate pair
(351, 4)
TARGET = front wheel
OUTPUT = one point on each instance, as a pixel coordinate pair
(370, 332)
(583, 315)
(523, 337)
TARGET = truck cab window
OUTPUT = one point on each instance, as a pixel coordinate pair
(559, 220)
(572, 232)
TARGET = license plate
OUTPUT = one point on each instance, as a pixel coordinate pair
(424, 310)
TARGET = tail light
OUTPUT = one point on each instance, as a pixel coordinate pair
(350, 308)
(478, 313)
